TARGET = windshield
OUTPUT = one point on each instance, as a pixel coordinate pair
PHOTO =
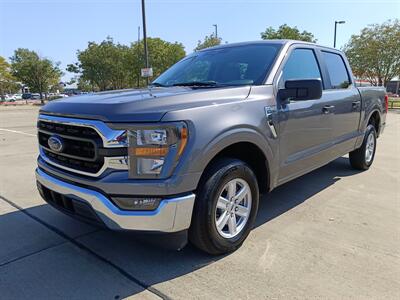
(238, 65)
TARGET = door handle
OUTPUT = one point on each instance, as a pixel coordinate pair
(327, 109)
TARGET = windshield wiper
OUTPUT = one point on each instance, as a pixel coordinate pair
(196, 83)
(157, 84)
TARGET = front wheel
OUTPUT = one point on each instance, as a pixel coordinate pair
(225, 208)
(363, 157)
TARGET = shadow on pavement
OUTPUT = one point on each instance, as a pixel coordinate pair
(143, 263)
(295, 192)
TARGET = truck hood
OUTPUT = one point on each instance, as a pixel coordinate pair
(144, 105)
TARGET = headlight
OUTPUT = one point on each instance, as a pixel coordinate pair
(151, 137)
(149, 166)
(155, 151)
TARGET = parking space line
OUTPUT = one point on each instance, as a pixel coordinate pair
(16, 131)
(83, 247)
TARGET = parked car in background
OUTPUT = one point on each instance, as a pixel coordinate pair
(10, 98)
(18, 96)
(190, 154)
(26, 96)
(36, 96)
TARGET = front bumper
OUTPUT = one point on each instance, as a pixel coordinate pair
(172, 215)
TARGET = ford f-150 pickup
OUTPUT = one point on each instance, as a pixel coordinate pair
(191, 153)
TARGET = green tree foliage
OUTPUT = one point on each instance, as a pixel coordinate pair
(40, 74)
(7, 81)
(162, 55)
(286, 32)
(105, 65)
(209, 41)
(374, 54)
(109, 65)
(84, 85)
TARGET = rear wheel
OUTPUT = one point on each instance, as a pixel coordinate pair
(225, 208)
(363, 157)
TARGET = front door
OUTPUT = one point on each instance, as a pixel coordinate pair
(305, 127)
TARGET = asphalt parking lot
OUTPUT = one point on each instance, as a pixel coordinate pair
(334, 233)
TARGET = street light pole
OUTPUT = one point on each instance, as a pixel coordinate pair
(216, 30)
(146, 55)
(334, 35)
(138, 55)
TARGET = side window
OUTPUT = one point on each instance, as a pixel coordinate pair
(302, 64)
(337, 70)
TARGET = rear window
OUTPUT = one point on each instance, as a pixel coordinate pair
(337, 70)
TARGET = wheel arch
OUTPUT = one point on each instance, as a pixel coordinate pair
(374, 119)
(246, 145)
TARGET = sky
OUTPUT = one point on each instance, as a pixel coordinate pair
(58, 28)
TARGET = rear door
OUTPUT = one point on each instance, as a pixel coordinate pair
(305, 127)
(345, 99)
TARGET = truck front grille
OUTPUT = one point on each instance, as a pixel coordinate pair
(78, 148)
(82, 146)
(74, 163)
(70, 130)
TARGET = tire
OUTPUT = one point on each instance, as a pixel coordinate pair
(363, 157)
(221, 179)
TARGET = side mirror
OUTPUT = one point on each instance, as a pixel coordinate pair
(305, 89)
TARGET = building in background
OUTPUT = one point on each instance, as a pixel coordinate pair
(393, 87)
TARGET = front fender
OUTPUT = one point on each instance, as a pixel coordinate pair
(234, 136)
(231, 137)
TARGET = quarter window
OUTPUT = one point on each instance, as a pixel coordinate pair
(302, 64)
(337, 70)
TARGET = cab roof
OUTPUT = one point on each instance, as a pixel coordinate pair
(276, 42)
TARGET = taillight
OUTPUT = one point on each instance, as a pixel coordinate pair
(386, 103)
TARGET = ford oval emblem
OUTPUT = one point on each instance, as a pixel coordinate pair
(55, 143)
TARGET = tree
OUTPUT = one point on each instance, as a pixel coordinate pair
(209, 41)
(86, 86)
(162, 55)
(7, 81)
(82, 84)
(39, 73)
(103, 64)
(109, 66)
(374, 54)
(286, 32)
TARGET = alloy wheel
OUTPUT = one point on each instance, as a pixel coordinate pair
(369, 149)
(233, 208)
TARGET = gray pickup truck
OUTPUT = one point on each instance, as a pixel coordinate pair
(191, 153)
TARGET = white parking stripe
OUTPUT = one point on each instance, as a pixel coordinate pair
(16, 131)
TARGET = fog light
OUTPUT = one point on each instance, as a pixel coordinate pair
(129, 203)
